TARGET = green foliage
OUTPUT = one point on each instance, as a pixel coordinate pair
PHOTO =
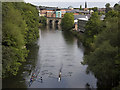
(42, 20)
(67, 21)
(112, 14)
(85, 4)
(31, 17)
(19, 28)
(12, 59)
(107, 7)
(92, 28)
(102, 63)
(95, 9)
(78, 35)
(104, 59)
(117, 7)
(80, 7)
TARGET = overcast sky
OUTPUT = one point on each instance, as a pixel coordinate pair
(71, 0)
(55, 3)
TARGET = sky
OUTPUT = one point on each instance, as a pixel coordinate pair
(71, 0)
(74, 3)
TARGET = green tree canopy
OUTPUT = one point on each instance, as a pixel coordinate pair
(80, 7)
(95, 9)
(67, 21)
(92, 28)
(107, 7)
(104, 59)
(43, 20)
(19, 28)
(117, 7)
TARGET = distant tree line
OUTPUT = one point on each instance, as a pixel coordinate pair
(103, 39)
(19, 29)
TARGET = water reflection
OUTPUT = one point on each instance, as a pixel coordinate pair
(68, 36)
(59, 58)
(55, 62)
(53, 27)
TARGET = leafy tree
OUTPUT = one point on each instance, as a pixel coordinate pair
(43, 20)
(104, 59)
(85, 4)
(67, 21)
(101, 62)
(107, 7)
(80, 7)
(20, 20)
(117, 7)
(111, 14)
(92, 28)
(95, 9)
(31, 17)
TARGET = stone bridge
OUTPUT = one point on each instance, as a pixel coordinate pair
(54, 21)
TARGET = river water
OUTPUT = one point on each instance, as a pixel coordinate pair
(54, 62)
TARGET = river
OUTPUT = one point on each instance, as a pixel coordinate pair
(55, 62)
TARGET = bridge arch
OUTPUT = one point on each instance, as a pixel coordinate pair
(54, 21)
(50, 21)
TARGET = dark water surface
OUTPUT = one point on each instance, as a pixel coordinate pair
(57, 54)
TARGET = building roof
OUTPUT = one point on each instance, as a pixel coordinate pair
(83, 11)
(51, 8)
(79, 16)
(42, 8)
(102, 17)
(76, 23)
(88, 15)
(48, 8)
(77, 11)
(82, 17)
(72, 11)
(65, 8)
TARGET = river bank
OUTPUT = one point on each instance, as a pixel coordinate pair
(57, 51)
(78, 34)
(19, 30)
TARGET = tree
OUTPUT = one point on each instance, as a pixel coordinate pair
(42, 20)
(13, 39)
(92, 28)
(80, 7)
(31, 17)
(108, 7)
(111, 14)
(19, 28)
(117, 7)
(104, 59)
(67, 21)
(85, 4)
(95, 9)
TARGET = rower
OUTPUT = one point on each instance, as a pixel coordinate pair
(41, 79)
(59, 78)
